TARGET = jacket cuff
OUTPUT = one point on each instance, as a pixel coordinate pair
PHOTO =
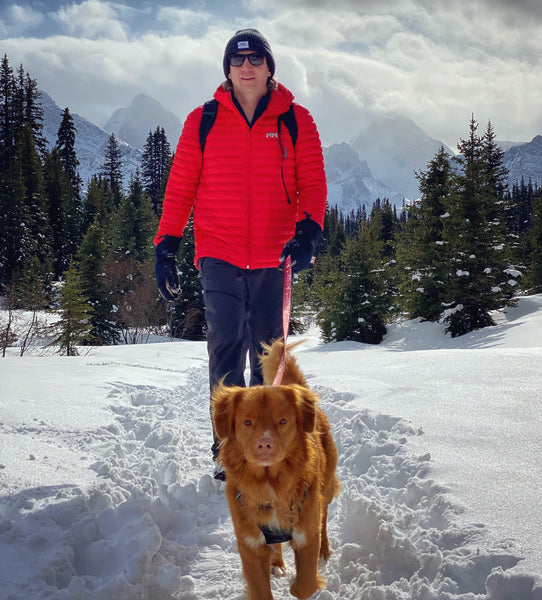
(169, 244)
(309, 231)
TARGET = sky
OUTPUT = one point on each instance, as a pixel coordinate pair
(437, 62)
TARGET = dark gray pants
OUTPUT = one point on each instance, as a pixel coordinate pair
(243, 308)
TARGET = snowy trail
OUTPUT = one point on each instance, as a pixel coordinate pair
(109, 496)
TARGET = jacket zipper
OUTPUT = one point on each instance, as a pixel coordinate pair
(249, 200)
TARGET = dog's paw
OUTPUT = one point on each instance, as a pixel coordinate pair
(304, 590)
(278, 571)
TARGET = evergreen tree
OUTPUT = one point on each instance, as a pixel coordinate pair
(66, 147)
(478, 277)
(75, 325)
(24, 231)
(188, 319)
(54, 191)
(91, 262)
(112, 168)
(134, 224)
(99, 203)
(421, 251)
(28, 108)
(383, 222)
(155, 162)
(534, 259)
(493, 155)
(334, 232)
(72, 206)
(7, 124)
(35, 238)
(29, 289)
(358, 302)
(12, 215)
(518, 205)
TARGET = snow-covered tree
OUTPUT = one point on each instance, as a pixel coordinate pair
(479, 276)
(357, 300)
(421, 251)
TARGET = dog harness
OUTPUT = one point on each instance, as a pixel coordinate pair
(271, 534)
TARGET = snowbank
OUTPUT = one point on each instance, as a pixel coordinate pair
(106, 493)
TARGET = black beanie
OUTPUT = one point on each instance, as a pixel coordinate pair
(248, 39)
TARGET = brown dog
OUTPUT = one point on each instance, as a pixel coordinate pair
(280, 460)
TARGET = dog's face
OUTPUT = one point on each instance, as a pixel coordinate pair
(264, 421)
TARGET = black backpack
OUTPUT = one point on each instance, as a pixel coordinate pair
(209, 115)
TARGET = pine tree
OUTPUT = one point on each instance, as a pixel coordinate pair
(66, 147)
(12, 189)
(75, 325)
(30, 110)
(421, 251)
(35, 238)
(478, 273)
(134, 224)
(383, 224)
(25, 231)
(534, 259)
(7, 94)
(112, 168)
(12, 215)
(64, 215)
(91, 262)
(188, 319)
(29, 288)
(154, 164)
(334, 232)
(71, 205)
(99, 203)
(358, 301)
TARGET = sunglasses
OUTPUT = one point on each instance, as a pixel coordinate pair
(237, 60)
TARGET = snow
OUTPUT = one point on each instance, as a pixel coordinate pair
(105, 469)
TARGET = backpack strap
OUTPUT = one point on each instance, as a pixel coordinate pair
(288, 118)
(207, 119)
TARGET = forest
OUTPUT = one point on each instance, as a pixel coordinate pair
(84, 251)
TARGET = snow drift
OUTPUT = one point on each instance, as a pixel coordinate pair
(106, 493)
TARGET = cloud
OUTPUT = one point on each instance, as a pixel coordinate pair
(182, 19)
(433, 61)
(92, 19)
(17, 19)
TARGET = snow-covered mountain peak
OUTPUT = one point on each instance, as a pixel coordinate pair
(350, 181)
(90, 141)
(133, 123)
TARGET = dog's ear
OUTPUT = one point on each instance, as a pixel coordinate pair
(223, 402)
(306, 408)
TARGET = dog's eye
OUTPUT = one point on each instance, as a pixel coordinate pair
(283, 422)
(248, 423)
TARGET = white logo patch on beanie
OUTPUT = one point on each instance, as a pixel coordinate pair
(242, 45)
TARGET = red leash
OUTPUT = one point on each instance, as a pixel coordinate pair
(286, 310)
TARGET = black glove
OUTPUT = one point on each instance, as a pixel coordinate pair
(167, 276)
(301, 247)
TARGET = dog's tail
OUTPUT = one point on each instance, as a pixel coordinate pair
(270, 360)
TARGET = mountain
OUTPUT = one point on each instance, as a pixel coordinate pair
(133, 123)
(90, 142)
(524, 161)
(379, 163)
(395, 148)
(350, 182)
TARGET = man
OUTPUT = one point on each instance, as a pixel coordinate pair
(257, 198)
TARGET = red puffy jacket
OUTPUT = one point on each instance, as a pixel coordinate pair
(241, 209)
